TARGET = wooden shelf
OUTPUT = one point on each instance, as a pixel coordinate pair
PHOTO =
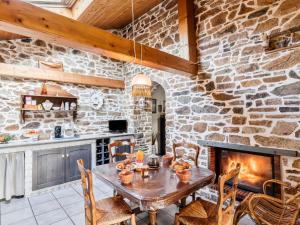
(56, 95)
(25, 72)
(44, 111)
(48, 96)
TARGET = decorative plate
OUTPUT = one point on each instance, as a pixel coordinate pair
(96, 100)
(47, 105)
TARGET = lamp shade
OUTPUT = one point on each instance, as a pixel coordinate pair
(141, 86)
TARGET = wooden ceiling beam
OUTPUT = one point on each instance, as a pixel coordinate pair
(9, 36)
(187, 29)
(28, 20)
(25, 72)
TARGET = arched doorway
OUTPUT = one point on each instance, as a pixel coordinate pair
(158, 118)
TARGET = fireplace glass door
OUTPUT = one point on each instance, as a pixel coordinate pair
(255, 169)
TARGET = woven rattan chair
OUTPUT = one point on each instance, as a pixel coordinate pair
(201, 212)
(268, 210)
(114, 145)
(107, 211)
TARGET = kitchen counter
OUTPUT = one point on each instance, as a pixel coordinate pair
(52, 147)
(24, 143)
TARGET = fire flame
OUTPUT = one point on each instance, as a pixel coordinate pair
(255, 169)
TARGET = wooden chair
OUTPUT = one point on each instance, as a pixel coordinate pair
(268, 210)
(194, 158)
(193, 147)
(202, 212)
(114, 144)
(107, 211)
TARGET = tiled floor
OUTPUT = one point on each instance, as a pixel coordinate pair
(65, 207)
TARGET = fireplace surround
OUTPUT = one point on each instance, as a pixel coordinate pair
(255, 168)
(257, 164)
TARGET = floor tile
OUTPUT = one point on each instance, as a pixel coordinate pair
(246, 220)
(16, 216)
(51, 217)
(13, 205)
(142, 216)
(171, 210)
(165, 219)
(70, 200)
(99, 195)
(64, 193)
(78, 189)
(35, 200)
(75, 209)
(28, 221)
(100, 185)
(63, 222)
(45, 207)
(78, 219)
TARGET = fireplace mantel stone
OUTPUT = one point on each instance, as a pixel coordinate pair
(246, 148)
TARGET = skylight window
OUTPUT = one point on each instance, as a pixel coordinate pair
(53, 3)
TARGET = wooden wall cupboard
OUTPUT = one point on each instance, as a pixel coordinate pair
(57, 166)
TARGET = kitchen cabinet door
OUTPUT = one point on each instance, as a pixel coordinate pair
(72, 155)
(48, 168)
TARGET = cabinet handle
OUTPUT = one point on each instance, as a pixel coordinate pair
(63, 156)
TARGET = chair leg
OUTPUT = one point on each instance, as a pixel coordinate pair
(182, 203)
(176, 219)
(194, 196)
(133, 222)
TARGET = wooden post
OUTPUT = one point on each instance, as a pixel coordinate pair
(187, 31)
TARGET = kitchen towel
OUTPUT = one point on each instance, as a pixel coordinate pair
(12, 175)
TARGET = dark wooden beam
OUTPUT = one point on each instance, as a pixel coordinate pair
(187, 30)
(31, 21)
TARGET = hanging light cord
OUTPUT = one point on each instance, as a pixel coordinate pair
(133, 30)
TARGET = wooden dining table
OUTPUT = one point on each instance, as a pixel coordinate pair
(161, 189)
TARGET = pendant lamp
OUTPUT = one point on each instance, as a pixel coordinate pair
(141, 84)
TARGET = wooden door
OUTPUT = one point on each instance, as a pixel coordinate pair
(161, 135)
(48, 168)
(72, 155)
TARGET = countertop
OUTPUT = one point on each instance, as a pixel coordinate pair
(29, 142)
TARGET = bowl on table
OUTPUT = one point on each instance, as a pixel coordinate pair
(126, 176)
(184, 175)
(180, 165)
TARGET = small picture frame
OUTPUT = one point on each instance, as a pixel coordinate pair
(159, 108)
(153, 105)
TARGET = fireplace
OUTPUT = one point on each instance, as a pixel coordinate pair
(255, 168)
(262, 163)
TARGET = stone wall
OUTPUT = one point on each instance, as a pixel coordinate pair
(243, 94)
(28, 52)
